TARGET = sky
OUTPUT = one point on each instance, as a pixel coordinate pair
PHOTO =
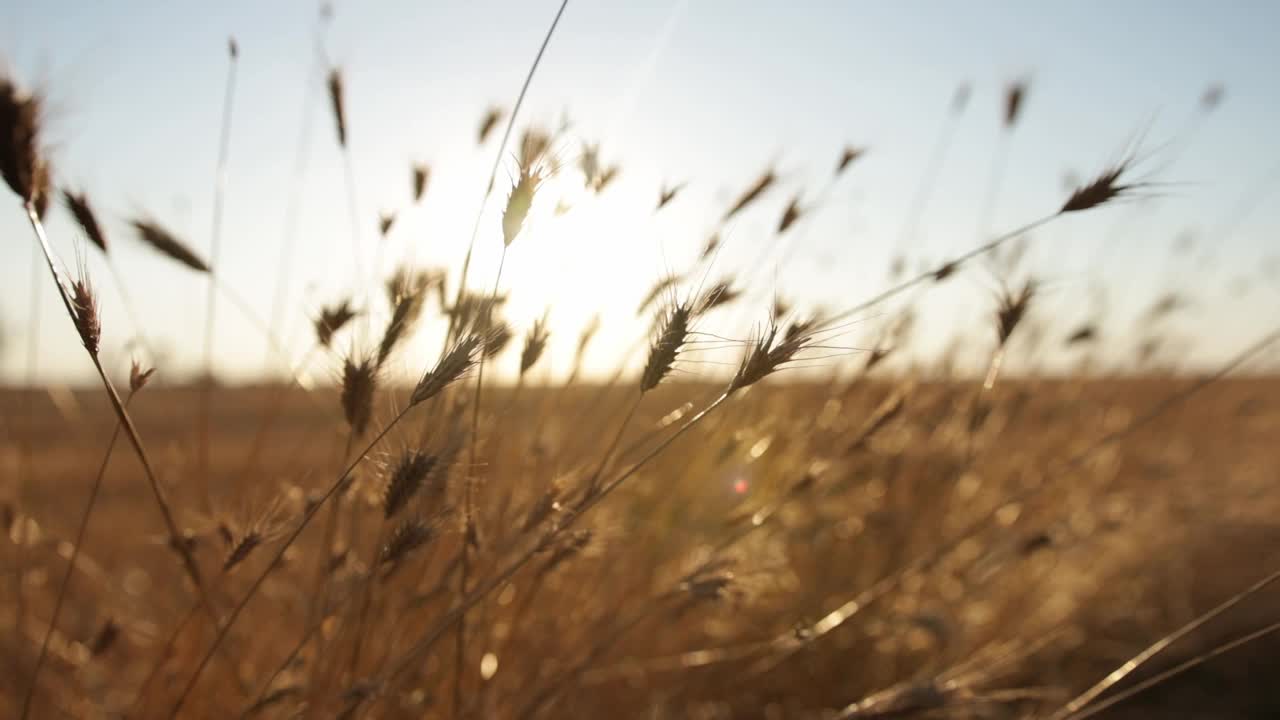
(704, 92)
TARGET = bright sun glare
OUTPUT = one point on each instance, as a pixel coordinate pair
(579, 255)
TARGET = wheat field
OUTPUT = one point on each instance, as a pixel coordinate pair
(762, 510)
(683, 596)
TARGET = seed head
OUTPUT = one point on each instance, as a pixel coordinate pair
(665, 347)
(385, 221)
(945, 271)
(752, 193)
(1014, 97)
(104, 638)
(711, 585)
(668, 194)
(337, 105)
(407, 478)
(534, 144)
(407, 291)
(406, 282)
(769, 353)
(800, 328)
(1083, 334)
(166, 243)
(408, 536)
(567, 549)
(1212, 97)
(1105, 187)
(1012, 308)
(265, 526)
(722, 293)
(87, 321)
(421, 173)
(488, 123)
(605, 178)
(474, 311)
(21, 162)
(877, 355)
(519, 202)
(43, 190)
(790, 215)
(78, 206)
(713, 243)
(497, 339)
(589, 163)
(241, 550)
(359, 381)
(138, 377)
(455, 363)
(584, 338)
(534, 344)
(847, 156)
(331, 320)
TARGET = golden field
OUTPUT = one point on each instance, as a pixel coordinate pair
(1122, 530)
(1069, 511)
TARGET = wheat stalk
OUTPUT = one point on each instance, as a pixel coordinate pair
(452, 365)
(490, 120)
(215, 248)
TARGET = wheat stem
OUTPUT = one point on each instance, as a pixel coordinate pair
(411, 656)
(131, 431)
(460, 645)
(941, 270)
(1176, 670)
(502, 148)
(215, 249)
(284, 547)
(790, 643)
(325, 556)
(293, 203)
(1159, 646)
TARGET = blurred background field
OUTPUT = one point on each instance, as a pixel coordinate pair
(1058, 590)
(690, 360)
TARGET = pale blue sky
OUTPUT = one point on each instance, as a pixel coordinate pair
(699, 90)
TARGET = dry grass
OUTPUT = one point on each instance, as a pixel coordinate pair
(868, 545)
(1107, 557)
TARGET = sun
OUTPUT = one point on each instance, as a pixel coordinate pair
(581, 254)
